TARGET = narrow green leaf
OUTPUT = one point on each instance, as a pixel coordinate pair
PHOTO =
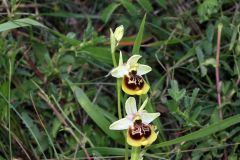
(146, 4)
(194, 96)
(196, 113)
(64, 14)
(162, 3)
(206, 131)
(105, 151)
(93, 111)
(131, 9)
(167, 42)
(19, 23)
(110, 151)
(108, 11)
(31, 130)
(233, 38)
(4, 109)
(138, 39)
(189, 54)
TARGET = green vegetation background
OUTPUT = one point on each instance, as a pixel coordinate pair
(57, 102)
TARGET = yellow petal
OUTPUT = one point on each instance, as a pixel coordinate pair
(151, 138)
(136, 91)
(132, 142)
(144, 90)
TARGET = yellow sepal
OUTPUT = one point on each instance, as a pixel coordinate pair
(143, 141)
(136, 91)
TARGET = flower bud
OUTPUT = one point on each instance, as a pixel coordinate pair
(118, 34)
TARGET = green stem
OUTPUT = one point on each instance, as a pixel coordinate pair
(114, 57)
(9, 108)
(135, 153)
(126, 150)
(113, 48)
(119, 98)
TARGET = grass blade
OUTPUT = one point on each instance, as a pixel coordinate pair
(24, 22)
(146, 4)
(131, 9)
(211, 129)
(93, 111)
(108, 11)
(138, 39)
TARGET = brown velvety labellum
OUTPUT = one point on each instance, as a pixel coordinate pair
(133, 81)
(139, 130)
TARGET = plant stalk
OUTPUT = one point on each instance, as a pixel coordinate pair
(135, 153)
(9, 108)
(219, 101)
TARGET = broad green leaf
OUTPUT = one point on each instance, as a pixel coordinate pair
(206, 131)
(207, 47)
(138, 40)
(210, 61)
(93, 111)
(200, 57)
(29, 122)
(207, 8)
(42, 55)
(102, 54)
(210, 32)
(174, 91)
(146, 4)
(108, 11)
(19, 23)
(172, 106)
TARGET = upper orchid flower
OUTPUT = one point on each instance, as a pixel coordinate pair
(131, 72)
(140, 132)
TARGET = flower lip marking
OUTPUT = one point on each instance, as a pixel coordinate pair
(133, 81)
(139, 130)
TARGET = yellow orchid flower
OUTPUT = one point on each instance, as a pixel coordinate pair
(131, 72)
(140, 132)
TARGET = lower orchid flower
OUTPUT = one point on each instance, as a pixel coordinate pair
(137, 122)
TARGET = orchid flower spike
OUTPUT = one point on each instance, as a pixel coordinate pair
(131, 72)
(137, 122)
